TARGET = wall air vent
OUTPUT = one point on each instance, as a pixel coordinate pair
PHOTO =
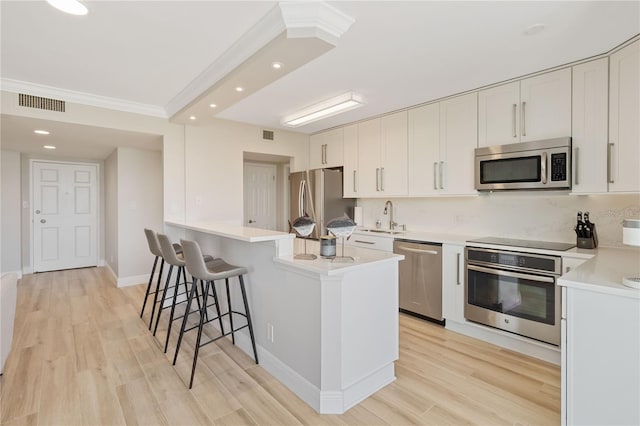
(31, 101)
(267, 135)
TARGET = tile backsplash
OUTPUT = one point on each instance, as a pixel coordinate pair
(539, 216)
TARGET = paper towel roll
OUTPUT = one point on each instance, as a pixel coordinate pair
(357, 216)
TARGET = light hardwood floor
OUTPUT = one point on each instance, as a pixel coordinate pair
(82, 355)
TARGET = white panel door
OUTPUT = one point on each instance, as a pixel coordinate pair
(260, 196)
(64, 216)
(498, 115)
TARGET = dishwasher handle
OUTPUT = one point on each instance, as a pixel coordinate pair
(415, 250)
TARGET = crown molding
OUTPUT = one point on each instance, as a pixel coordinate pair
(35, 89)
(315, 19)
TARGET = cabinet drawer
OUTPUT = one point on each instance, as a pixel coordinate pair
(374, 242)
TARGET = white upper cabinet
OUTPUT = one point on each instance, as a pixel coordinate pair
(424, 149)
(624, 119)
(350, 150)
(325, 149)
(382, 156)
(458, 141)
(590, 117)
(530, 109)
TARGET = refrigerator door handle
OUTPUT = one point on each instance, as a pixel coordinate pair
(301, 199)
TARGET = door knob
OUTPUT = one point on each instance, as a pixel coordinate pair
(252, 221)
(43, 221)
(37, 211)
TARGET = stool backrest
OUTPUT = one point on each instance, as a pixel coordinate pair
(169, 252)
(194, 260)
(152, 241)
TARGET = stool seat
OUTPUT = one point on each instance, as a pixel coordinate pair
(218, 269)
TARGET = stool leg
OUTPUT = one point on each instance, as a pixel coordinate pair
(206, 313)
(155, 296)
(233, 335)
(184, 320)
(246, 310)
(195, 353)
(186, 289)
(164, 296)
(217, 303)
(146, 296)
(173, 307)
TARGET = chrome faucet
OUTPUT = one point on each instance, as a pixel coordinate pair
(388, 208)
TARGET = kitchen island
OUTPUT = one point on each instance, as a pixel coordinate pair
(326, 330)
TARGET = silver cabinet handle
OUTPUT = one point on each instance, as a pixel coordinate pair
(415, 250)
(43, 221)
(524, 128)
(543, 167)
(435, 175)
(458, 269)
(381, 178)
(324, 154)
(610, 163)
(354, 182)
(513, 123)
(576, 180)
(441, 175)
(363, 242)
(378, 179)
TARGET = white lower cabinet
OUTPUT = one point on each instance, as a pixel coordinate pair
(600, 359)
(453, 282)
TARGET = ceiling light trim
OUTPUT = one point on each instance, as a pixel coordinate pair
(17, 86)
(329, 108)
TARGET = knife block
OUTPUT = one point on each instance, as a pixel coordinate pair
(591, 242)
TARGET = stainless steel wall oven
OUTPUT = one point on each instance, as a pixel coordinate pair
(514, 291)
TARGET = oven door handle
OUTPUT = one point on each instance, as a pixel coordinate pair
(512, 274)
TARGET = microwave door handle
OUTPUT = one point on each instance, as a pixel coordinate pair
(543, 167)
(502, 273)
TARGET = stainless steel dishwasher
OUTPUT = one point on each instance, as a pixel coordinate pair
(420, 279)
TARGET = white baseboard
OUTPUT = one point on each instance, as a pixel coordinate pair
(27, 270)
(132, 280)
(18, 273)
(101, 262)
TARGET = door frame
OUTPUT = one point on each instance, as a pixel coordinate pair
(98, 207)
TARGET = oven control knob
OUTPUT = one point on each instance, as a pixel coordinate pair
(506, 320)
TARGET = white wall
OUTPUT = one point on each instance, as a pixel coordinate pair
(111, 211)
(546, 216)
(214, 166)
(11, 211)
(139, 206)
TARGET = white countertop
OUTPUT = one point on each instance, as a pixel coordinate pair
(362, 258)
(242, 233)
(605, 271)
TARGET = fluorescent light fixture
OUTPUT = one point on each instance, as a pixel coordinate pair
(331, 107)
(41, 132)
(49, 147)
(72, 7)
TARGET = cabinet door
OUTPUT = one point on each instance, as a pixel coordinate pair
(393, 154)
(624, 130)
(423, 149)
(350, 155)
(369, 158)
(498, 115)
(545, 106)
(589, 122)
(458, 140)
(316, 146)
(333, 156)
(453, 282)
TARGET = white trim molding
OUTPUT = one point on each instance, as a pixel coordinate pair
(35, 89)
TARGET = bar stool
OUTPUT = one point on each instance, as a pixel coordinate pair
(154, 248)
(172, 258)
(209, 272)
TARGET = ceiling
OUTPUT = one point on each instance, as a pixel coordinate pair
(396, 54)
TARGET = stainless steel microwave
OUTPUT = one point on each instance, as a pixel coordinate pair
(544, 164)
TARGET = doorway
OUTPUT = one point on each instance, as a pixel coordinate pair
(260, 188)
(64, 215)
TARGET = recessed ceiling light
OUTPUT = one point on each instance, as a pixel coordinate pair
(534, 29)
(72, 7)
(213, 105)
(239, 89)
(193, 117)
(41, 132)
(49, 147)
(276, 65)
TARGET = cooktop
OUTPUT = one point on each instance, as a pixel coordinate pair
(544, 245)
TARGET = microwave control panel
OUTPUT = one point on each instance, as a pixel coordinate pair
(559, 167)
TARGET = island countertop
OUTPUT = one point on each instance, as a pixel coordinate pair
(242, 233)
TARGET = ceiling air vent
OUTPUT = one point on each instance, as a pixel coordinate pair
(31, 101)
(267, 135)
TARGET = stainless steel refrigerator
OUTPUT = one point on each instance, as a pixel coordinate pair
(318, 194)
